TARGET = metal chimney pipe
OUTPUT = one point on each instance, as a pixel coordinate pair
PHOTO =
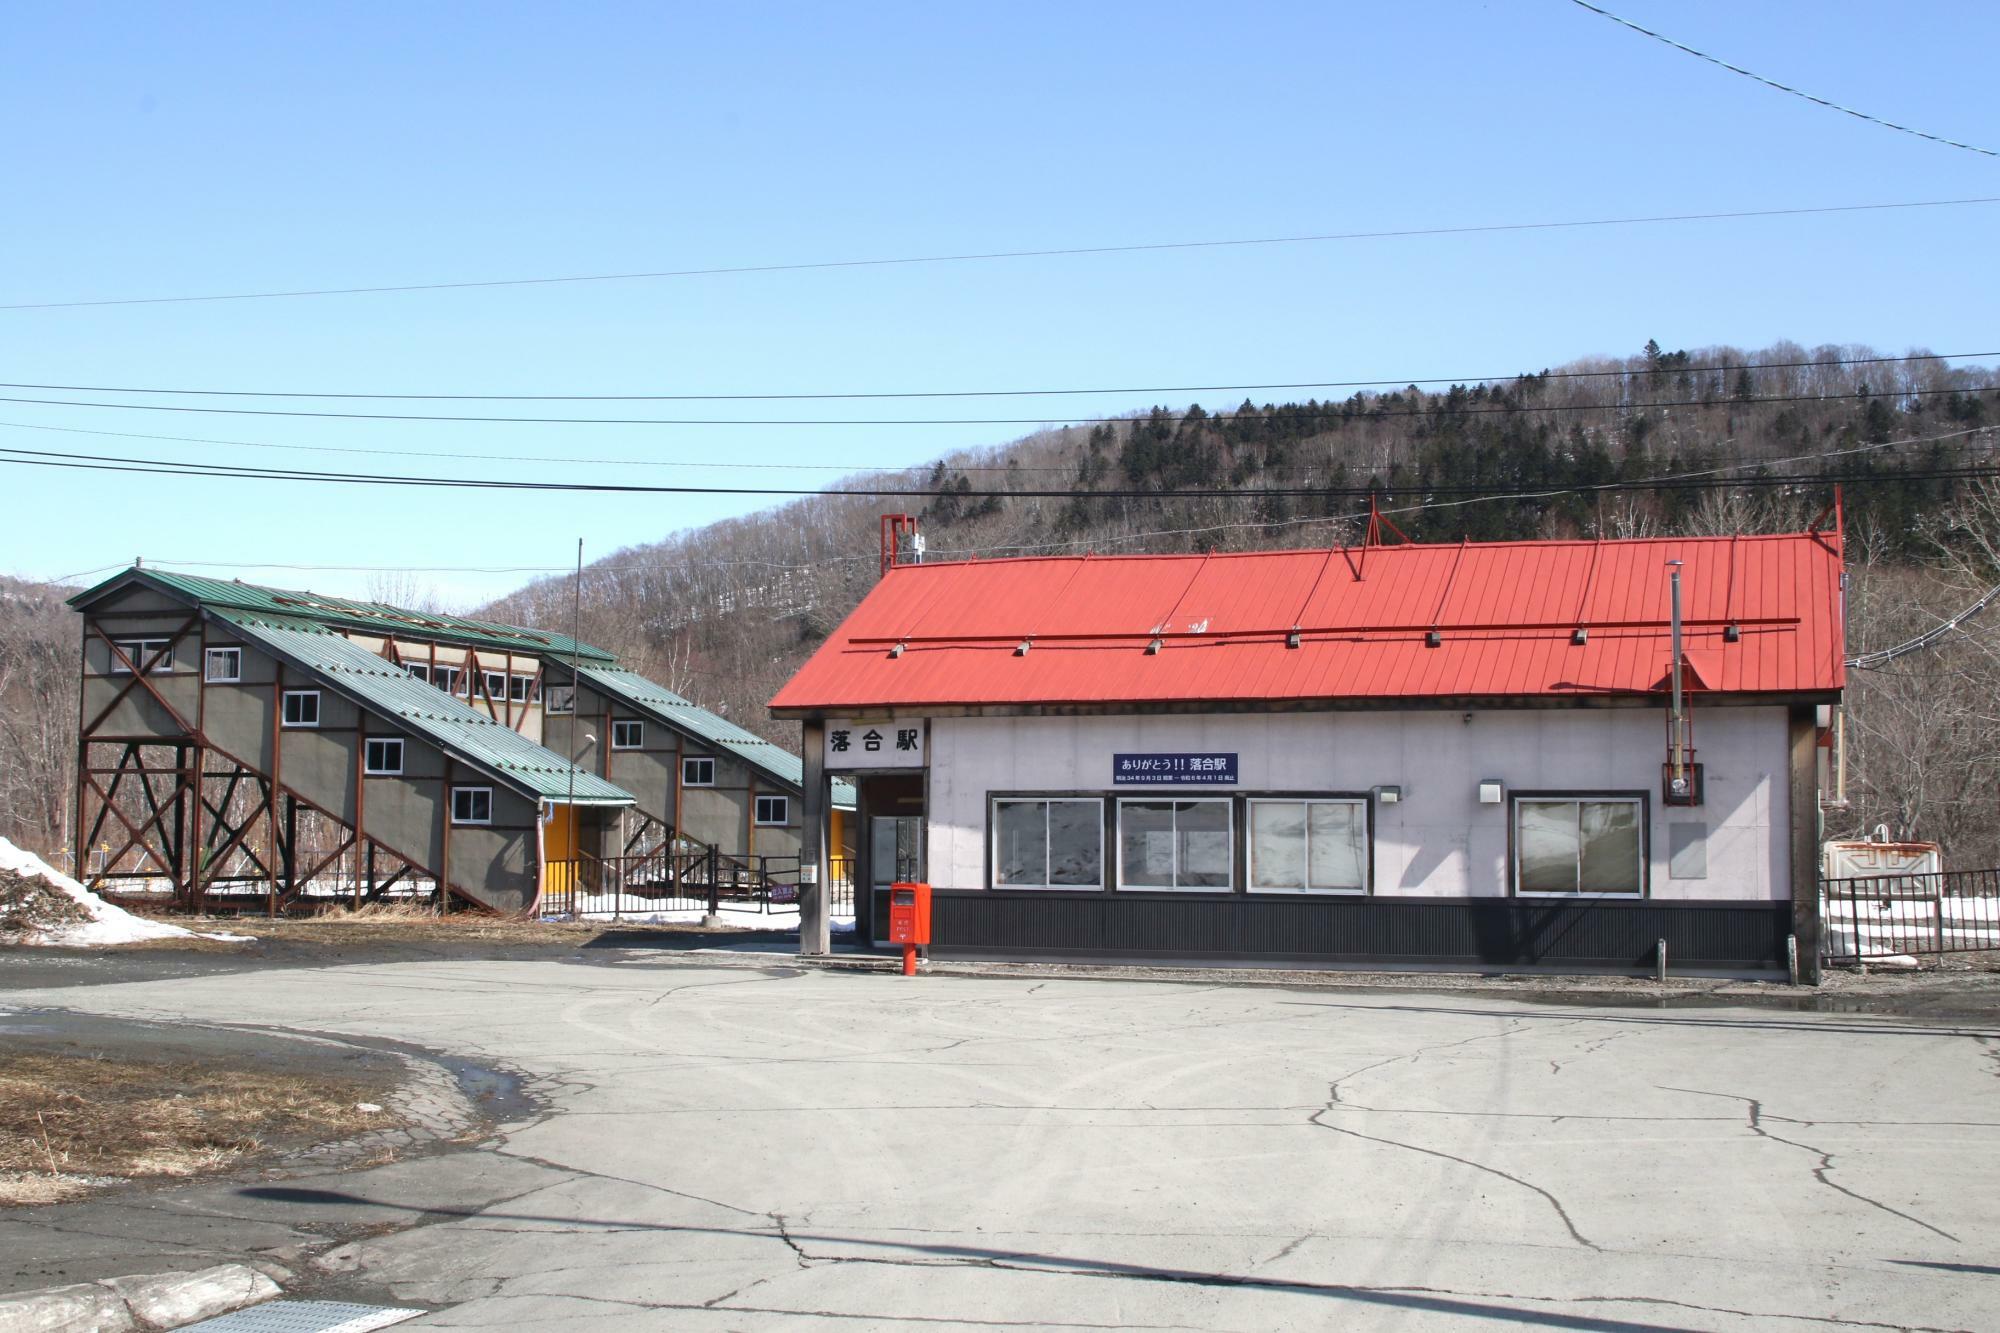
(1678, 749)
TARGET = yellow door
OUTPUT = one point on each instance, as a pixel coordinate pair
(559, 853)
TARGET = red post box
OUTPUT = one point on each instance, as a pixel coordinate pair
(909, 920)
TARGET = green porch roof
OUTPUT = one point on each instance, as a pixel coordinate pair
(460, 730)
(348, 614)
(634, 690)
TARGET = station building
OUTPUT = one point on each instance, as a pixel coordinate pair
(1392, 754)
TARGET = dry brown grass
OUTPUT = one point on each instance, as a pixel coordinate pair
(71, 1121)
(411, 922)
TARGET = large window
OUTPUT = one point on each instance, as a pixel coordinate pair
(1581, 844)
(774, 811)
(1176, 844)
(155, 657)
(698, 771)
(447, 679)
(524, 690)
(1308, 846)
(629, 735)
(1052, 843)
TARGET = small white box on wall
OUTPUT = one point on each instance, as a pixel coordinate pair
(1491, 790)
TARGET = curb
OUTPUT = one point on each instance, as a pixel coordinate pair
(145, 1301)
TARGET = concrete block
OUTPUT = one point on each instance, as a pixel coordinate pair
(84, 1308)
(169, 1300)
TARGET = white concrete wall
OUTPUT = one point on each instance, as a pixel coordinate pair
(1438, 841)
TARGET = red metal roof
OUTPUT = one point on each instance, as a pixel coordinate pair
(1505, 614)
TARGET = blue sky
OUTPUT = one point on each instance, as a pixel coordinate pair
(156, 150)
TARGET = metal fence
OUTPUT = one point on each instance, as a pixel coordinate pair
(1891, 916)
(676, 885)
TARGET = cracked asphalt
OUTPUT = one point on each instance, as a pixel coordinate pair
(739, 1145)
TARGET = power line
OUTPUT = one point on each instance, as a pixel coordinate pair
(981, 256)
(1046, 422)
(152, 467)
(1001, 393)
(1781, 87)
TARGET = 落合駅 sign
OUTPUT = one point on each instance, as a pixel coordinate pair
(1176, 770)
(874, 744)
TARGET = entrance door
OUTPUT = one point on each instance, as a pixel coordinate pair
(895, 853)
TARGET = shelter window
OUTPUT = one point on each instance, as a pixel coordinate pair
(223, 666)
(383, 757)
(1177, 844)
(698, 772)
(559, 698)
(1053, 843)
(446, 679)
(524, 690)
(301, 708)
(1308, 846)
(419, 670)
(1586, 844)
(496, 685)
(629, 736)
(472, 805)
(774, 810)
(153, 656)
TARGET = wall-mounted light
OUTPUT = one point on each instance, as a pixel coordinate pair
(1388, 795)
(1491, 791)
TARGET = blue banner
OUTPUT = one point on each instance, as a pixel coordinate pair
(1173, 770)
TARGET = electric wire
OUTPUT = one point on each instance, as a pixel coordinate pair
(995, 255)
(154, 467)
(1781, 87)
(1412, 382)
(1372, 413)
(1929, 638)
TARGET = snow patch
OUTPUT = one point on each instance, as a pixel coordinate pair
(105, 923)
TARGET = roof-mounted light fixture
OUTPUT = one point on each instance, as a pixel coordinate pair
(1579, 636)
(1022, 649)
(897, 651)
(1732, 633)
(1153, 648)
(1433, 639)
(1292, 639)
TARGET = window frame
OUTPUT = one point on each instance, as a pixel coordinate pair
(418, 671)
(163, 667)
(1228, 802)
(368, 767)
(285, 710)
(523, 689)
(471, 790)
(784, 819)
(639, 740)
(486, 689)
(1365, 800)
(994, 799)
(1639, 797)
(687, 781)
(208, 656)
(551, 692)
(446, 677)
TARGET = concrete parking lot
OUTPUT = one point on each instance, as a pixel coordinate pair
(739, 1146)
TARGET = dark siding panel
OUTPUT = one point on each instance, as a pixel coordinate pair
(1492, 932)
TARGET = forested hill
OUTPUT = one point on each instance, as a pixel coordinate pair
(726, 612)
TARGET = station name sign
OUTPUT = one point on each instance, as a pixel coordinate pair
(1173, 770)
(852, 744)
